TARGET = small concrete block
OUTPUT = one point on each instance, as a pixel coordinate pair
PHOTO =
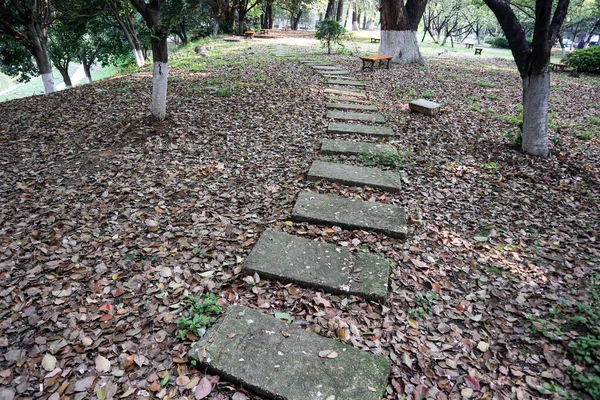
(345, 82)
(424, 107)
(346, 93)
(358, 129)
(279, 360)
(360, 107)
(355, 116)
(349, 147)
(365, 215)
(324, 266)
(352, 175)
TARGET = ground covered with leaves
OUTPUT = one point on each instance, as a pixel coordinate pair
(116, 232)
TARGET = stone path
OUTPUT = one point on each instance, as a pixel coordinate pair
(345, 82)
(343, 106)
(352, 175)
(283, 361)
(323, 266)
(349, 147)
(356, 116)
(345, 93)
(367, 130)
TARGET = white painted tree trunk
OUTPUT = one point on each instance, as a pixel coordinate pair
(402, 45)
(355, 26)
(536, 92)
(370, 25)
(141, 56)
(48, 81)
(215, 27)
(159, 90)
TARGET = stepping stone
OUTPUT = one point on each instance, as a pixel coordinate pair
(355, 116)
(334, 73)
(338, 77)
(349, 147)
(361, 107)
(326, 67)
(232, 40)
(345, 93)
(349, 100)
(354, 176)
(324, 266)
(279, 360)
(424, 107)
(345, 82)
(332, 210)
(357, 129)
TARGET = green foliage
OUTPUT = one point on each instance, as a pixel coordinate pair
(485, 84)
(424, 304)
(586, 135)
(585, 60)
(224, 91)
(330, 32)
(499, 42)
(16, 61)
(201, 314)
(427, 94)
(384, 159)
(593, 119)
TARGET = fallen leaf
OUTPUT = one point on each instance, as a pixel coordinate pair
(49, 362)
(102, 364)
(328, 354)
(203, 389)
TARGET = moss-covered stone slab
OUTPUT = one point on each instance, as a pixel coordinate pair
(338, 76)
(309, 263)
(352, 175)
(338, 99)
(351, 148)
(281, 361)
(345, 93)
(334, 72)
(425, 107)
(360, 107)
(327, 68)
(332, 210)
(356, 116)
(345, 82)
(358, 129)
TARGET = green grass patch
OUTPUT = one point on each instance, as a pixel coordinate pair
(427, 94)
(485, 84)
(200, 314)
(384, 159)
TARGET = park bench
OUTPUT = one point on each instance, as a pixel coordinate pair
(369, 61)
(557, 66)
(375, 40)
(249, 34)
(469, 45)
(264, 31)
(478, 50)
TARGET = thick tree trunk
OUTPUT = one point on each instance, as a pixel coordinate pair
(64, 72)
(340, 10)
(216, 27)
(88, 72)
(43, 63)
(536, 92)
(402, 45)
(399, 25)
(330, 7)
(160, 74)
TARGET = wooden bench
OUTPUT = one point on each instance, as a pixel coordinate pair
(264, 31)
(369, 61)
(375, 40)
(478, 50)
(469, 45)
(249, 34)
(557, 66)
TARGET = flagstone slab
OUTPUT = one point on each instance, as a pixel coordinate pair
(334, 72)
(345, 82)
(336, 99)
(358, 129)
(338, 77)
(360, 107)
(332, 210)
(352, 175)
(281, 361)
(326, 67)
(345, 93)
(324, 266)
(356, 116)
(349, 147)
(425, 107)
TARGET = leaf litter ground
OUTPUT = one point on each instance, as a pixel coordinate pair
(108, 221)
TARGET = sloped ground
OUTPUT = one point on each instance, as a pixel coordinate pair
(497, 238)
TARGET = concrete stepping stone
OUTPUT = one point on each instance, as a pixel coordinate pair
(345, 82)
(345, 93)
(338, 77)
(283, 361)
(337, 99)
(352, 175)
(324, 266)
(367, 130)
(360, 107)
(351, 148)
(327, 67)
(356, 116)
(232, 40)
(425, 107)
(365, 215)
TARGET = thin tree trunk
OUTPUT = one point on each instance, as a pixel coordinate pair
(216, 27)
(536, 92)
(330, 7)
(340, 10)
(64, 72)
(88, 72)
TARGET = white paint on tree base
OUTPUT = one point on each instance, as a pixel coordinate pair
(48, 80)
(402, 45)
(138, 60)
(159, 90)
(536, 93)
(141, 56)
(355, 26)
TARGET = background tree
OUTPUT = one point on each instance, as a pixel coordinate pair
(123, 13)
(329, 32)
(532, 62)
(25, 23)
(399, 23)
(63, 48)
(151, 13)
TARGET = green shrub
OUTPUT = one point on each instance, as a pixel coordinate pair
(330, 32)
(201, 314)
(585, 60)
(500, 42)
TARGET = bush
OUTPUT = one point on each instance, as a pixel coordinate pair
(499, 42)
(585, 60)
(330, 32)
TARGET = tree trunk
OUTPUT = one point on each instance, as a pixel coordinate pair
(64, 72)
(536, 92)
(216, 27)
(364, 24)
(330, 7)
(37, 47)
(340, 10)
(399, 24)
(402, 45)
(88, 72)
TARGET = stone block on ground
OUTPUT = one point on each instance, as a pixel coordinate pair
(356, 116)
(345, 82)
(338, 76)
(323, 266)
(327, 68)
(345, 93)
(425, 107)
(333, 210)
(359, 107)
(334, 72)
(283, 361)
(359, 129)
(337, 99)
(352, 175)
(349, 147)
